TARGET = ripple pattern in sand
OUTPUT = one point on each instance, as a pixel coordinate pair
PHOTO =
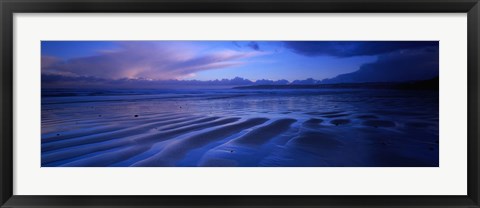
(250, 130)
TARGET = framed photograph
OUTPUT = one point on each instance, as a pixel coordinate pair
(268, 103)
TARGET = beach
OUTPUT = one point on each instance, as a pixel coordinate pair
(240, 128)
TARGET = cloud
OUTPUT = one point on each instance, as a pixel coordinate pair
(353, 48)
(53, 66)
(60, 81)
(49, 62)
(236, 44)
(152, 60)
(254, 45)
(405, 65)
(250, 44)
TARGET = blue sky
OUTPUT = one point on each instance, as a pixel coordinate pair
(210, 60)
(270, 61)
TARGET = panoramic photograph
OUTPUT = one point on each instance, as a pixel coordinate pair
(240, 103)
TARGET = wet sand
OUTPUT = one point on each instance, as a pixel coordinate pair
(245, 128)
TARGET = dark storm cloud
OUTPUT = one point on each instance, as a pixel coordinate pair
(353, 48)
(405, 65)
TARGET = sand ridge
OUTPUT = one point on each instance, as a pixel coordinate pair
(246, 129)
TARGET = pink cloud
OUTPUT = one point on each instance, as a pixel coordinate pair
(159, 61)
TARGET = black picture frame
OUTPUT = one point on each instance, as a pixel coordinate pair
(9, 7)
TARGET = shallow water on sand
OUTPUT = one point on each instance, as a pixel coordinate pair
(246, 128)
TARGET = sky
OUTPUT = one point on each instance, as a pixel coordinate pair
(253, 60)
